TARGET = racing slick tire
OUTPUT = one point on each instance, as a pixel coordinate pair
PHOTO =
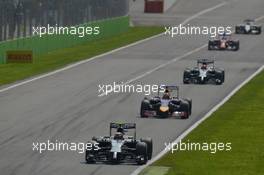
(220, 76)
(89, 155)
(144, 106)
(259, 31)
(142, 151)
(210, 43)
(238, 30)
(236, 45)
(186, 76)
(190, 105)
(149, 143)
(184, 107)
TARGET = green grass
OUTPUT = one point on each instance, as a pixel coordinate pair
(12, 72)
(239, 121)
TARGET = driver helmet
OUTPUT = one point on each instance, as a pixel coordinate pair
(118, 136)
(224, 36)
(120, 129)
(204, 66)
(166, 96)
(248, 22)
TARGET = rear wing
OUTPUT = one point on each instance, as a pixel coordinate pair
(206, 61)
(168, 87)
(123, 126)
(249, 20)
(228, 36)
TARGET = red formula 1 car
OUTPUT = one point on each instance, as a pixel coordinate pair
(223, 42)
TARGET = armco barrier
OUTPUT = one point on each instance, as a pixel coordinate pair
(48, 43)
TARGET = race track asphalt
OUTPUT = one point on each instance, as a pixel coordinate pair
(66, 106)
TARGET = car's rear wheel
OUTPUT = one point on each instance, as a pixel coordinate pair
(238, 30)
(186, 77)
(143, 108)
(185, 108)
(141, 149)
(210, 45)
(149, 143)
(236, 46)
(220, 77)
(190, 105)
(259, 31)
(90, 154)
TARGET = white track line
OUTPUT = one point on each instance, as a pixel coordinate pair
(203, 12)
(207, 115)
(76, 64)
(186, 132)
(107, 53)
(177, 58)
(259, 18)
(157, 68)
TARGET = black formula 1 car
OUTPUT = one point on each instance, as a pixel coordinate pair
(249, 27)
(223, 42)
(205, 72)
(120, 147)
(166, 105)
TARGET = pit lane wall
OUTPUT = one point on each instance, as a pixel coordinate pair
(48, 43)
